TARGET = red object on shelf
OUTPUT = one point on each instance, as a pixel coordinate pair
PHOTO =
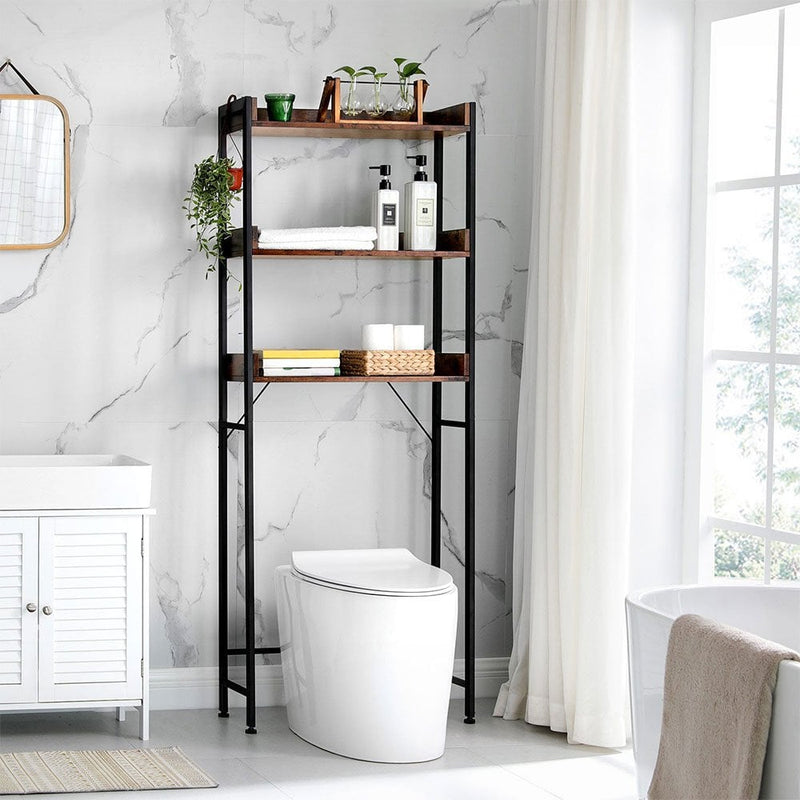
(236, 178)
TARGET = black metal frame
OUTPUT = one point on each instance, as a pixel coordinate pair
(230, 115)
(30, 86)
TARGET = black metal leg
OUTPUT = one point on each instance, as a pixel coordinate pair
(469, 434)
(249, 487)
(436, 344)
(222, 462)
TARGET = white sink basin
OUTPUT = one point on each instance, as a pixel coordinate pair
(73, 482)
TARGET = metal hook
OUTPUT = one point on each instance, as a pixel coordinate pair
(19, 74)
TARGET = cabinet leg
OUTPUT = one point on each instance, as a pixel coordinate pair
(120, 713)
(144, 721)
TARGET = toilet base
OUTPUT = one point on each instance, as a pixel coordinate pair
(370, 760)
(367, 676)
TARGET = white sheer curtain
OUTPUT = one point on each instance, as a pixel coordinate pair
(567, 667)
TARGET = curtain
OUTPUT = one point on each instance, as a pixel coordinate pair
(568, 667)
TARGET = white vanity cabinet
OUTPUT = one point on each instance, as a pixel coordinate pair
(73, 623)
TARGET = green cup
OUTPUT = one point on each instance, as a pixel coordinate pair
(279, 107)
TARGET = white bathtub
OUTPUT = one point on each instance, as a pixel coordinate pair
(771, 612)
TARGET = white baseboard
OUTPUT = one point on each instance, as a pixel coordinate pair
(196, 687)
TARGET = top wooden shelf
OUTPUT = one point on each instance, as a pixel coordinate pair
(450, 121)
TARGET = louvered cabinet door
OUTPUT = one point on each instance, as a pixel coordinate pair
(90, 597)
(18, 626)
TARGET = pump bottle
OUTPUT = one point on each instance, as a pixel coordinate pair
(420, 209)
(385, 207)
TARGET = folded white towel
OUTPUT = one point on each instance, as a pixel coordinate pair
(337, 244)
(358, 233)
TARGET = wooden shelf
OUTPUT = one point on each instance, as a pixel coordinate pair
(451, 121)
(454, 244)
(450, 367)
(357, 379)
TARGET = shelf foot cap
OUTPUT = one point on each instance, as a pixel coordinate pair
(250, 730)
(469, 720)
(223, 715)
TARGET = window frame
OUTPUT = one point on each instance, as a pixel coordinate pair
(698, 541)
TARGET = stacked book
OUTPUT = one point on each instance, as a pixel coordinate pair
(288, 363)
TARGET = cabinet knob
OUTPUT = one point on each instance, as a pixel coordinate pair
(47, 611)
(31, 607)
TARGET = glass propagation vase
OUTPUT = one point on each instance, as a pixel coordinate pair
(376, 105)
(404, 102)
(351, 103)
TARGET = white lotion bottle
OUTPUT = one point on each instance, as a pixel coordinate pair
(385, 208)
(420, 209)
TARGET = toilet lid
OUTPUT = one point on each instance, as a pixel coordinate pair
(387, 571)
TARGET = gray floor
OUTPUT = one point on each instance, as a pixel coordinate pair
(491, 760)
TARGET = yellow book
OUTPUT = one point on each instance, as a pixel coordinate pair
(300, 354)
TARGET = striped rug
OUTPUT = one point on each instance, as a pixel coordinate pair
(99, 771)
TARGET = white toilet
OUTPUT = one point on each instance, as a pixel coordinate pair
(367, 642)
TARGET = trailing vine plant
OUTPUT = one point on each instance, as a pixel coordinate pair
(208, 206)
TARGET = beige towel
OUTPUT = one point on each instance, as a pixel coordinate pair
(717, 709)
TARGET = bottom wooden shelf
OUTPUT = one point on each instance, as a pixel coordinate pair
(450, 367)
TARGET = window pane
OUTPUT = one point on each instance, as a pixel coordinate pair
(744, 64)
(739, 447)
(786, 470)
(788, 320)
(743, 269)
(738, 555)
(790, 144)
(784, 562)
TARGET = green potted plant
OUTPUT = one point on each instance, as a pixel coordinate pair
(404, 102)
(208, 205)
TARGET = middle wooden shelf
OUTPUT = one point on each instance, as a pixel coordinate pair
(450, 367)
(451, 244)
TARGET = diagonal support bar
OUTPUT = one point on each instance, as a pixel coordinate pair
(239, 421)
(416, 419)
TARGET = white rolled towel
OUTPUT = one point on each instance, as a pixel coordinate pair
(356, 233)
(331, 244)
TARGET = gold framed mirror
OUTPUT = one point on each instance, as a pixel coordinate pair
(34, 171)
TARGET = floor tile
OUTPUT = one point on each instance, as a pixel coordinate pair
(458, 775)
(570, 771)
(494, 759)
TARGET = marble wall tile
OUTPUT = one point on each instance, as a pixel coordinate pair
(108, 342)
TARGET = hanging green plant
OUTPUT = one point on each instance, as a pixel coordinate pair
(208, 205)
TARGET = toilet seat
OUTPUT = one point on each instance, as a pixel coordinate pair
(393, 572)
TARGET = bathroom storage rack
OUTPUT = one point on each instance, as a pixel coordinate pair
(242, 116)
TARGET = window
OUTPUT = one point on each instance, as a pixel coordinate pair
(748, 368)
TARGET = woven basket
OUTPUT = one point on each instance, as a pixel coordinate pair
(387, 362)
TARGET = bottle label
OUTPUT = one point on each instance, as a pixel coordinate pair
(389, 214)
(425, 212)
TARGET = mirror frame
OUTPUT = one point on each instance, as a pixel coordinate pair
(65, 115)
